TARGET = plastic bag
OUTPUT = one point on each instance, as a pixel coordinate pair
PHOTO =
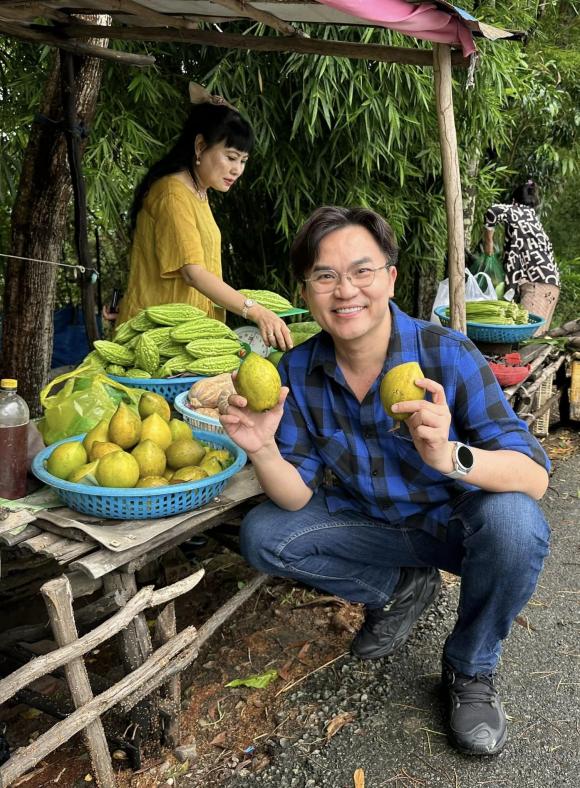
(87, 396)
(489, 264)
(473, 291)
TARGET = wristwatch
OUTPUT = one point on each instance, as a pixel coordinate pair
(463, 461)
(248, 304)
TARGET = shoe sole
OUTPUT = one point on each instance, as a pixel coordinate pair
(404, 636)
(471, 751)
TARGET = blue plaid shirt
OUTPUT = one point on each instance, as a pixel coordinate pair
(377, 471)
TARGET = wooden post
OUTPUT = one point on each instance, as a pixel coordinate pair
(452, 184)
(58, 599)
(136, 647)
(165, 630)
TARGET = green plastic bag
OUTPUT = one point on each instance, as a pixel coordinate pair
(490, 264)
(87, 396)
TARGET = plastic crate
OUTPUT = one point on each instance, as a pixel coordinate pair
(483, 332)
(167, 387)
(197, 421)
(541, 426)
(145, 503)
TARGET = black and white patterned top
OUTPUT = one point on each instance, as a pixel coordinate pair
(528, 255)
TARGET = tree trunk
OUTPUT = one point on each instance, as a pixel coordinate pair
(470, 192)
(39, 224)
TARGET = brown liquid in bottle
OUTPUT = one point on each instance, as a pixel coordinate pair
(13, 461)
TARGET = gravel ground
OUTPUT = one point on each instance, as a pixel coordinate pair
(396, 735)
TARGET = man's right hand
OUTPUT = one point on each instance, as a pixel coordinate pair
(251, 431)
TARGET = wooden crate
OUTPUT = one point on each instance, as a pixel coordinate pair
(541, 426)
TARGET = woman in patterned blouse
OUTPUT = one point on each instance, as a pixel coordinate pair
(528, 258)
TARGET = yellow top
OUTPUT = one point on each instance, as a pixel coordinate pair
(174, 228)
(8, 383)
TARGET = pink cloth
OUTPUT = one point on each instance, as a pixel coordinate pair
(424, 20)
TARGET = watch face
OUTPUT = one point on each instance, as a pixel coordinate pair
(251, 336)
(465, 456)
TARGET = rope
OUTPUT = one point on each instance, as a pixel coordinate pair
(80, 268)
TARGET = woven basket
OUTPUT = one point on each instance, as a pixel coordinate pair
(145, 503)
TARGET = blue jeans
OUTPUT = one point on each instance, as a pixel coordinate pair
(496, 542)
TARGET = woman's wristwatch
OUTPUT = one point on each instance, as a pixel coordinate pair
(248, 304)
(463, 461)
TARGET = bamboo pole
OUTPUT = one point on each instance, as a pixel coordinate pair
(58, 599)
(452, 184)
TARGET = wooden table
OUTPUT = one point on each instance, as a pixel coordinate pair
(90, 567)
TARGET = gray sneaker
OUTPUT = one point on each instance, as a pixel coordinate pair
(477, 721)
(387, 628)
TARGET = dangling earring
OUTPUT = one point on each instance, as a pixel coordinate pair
(198, 162)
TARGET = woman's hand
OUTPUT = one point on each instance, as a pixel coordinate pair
(273, 329)
(251, 431)
(429, 424)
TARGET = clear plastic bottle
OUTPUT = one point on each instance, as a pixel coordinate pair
(14, 418)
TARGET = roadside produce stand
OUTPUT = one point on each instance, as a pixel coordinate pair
(84, 564)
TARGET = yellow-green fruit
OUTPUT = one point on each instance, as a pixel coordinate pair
(211, 466)
(222, 456)
(85, 474)
(154, 403)
(118, 469)
(168, 473)
(156, 429)
(66, 458)
(179, 429)
(398, 385)
(184, 451)
(259, 382)
(152, 481)
(100, 449)
(191, 473)
(151, 458)
(125, 427)
(100, 432)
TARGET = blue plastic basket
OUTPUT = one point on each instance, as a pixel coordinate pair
(145, 503)
(167, 387)
(197, 421)
(482, 332)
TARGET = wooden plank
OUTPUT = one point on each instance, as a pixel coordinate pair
(452, 184)
(58, 599)
(307, 46)
(243, 487)
(62, 550)
(10, 540)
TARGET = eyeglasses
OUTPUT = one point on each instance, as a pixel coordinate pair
(327, 279)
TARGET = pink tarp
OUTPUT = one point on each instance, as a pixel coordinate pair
(421, 20)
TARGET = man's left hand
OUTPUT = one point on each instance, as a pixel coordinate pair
(428, 424)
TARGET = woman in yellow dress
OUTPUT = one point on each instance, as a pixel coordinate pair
(176, 248)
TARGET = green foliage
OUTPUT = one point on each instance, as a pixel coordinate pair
(329, 131)
(568, 307)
